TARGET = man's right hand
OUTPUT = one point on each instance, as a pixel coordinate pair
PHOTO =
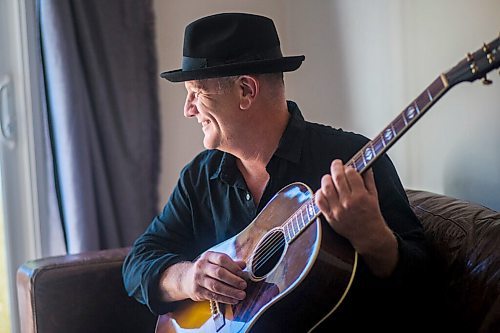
(213, 276)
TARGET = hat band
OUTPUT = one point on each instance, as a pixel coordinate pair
(191, 63)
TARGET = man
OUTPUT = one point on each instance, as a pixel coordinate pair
(258, 142)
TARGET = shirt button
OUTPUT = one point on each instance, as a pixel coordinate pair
(248, 196)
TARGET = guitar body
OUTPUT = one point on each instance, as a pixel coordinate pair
(307, 277)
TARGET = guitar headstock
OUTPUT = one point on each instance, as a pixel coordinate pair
(476, 65)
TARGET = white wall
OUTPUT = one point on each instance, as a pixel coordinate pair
(365, 61)
(456, 144)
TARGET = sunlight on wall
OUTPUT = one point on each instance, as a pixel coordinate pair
(4, 300)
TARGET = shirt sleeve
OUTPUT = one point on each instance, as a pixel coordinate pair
(168, 236)
(413, 252)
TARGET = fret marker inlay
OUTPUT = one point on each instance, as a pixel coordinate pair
(388, 134)
(411, 112)
(369, 154)
(311, 211)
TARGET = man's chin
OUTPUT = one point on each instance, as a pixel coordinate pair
(209, 144)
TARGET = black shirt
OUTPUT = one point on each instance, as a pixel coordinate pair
(212, 203)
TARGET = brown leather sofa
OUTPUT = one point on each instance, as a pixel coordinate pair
(84, 292)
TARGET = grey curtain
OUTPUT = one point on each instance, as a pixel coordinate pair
(101, 85)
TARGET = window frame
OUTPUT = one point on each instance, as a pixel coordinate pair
(23, 158)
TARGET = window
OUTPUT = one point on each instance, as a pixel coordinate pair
(4, 283)
(19, 205)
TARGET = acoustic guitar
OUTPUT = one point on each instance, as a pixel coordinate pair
(292, 256)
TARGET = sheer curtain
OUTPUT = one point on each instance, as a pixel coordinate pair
(102, 106)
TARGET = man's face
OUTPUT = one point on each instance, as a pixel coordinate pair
(214, 108)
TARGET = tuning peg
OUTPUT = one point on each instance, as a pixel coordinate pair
(485, 48)
(486, 81)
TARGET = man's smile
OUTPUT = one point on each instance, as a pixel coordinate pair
(205, 123)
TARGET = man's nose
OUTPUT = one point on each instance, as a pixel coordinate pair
(190, 109)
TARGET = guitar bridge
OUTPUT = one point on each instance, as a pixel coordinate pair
(217, 315)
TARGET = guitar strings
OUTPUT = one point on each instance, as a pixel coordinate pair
(276, 242)
(260, 263)
(274, 237)
(287, 222)
(269, 249)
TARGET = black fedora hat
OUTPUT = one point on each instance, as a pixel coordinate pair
(231, 44)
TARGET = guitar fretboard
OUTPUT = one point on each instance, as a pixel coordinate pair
(366, 156)
(306, 214)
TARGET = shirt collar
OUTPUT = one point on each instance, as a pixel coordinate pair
(226, 169)
(289, 147)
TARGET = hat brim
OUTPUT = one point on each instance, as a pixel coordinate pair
(285, 64)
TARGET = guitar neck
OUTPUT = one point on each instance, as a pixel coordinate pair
(365, 157)
(373, 150)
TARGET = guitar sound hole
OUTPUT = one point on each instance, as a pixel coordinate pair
(268, 253)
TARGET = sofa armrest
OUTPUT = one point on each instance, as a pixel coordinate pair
(79, 293)
(464, 238)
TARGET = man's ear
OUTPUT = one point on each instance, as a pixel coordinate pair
(249, 89)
